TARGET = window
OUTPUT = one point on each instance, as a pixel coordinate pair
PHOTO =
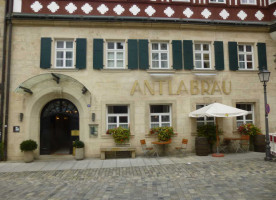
(160, 55)
(248, 2)
(115, 55)
(64, 54)
(247, 118)
(117, 116)
(217, 1)
(202, 56)
(160, 116)
(245, 57)
(204, 120)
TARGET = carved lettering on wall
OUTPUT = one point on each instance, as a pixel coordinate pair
(195, 87)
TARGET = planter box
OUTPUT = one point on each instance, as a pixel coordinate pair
(28, 156)
(79, 154)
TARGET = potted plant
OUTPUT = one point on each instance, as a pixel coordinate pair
(79, 145)
(206, 138)
(28, 146)
(256, 137)
(163, 133)
(120, 135)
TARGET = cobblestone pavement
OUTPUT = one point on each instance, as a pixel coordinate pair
(252, 179)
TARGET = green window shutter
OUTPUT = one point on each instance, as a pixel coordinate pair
(262, 56)
(188, 54)
(143, 54)
(98, 53)
(177, 54)
(45, 53)
(132, 54)
(219, 55)
(233, 56)
(81, 53)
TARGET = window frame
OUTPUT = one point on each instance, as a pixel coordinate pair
(247, 2)
(245, 56)
(205, 120)
(115, 51)
(117, 115)
(224, 1)
(64, 50)
(160, 115)
(159, 52)
(202, 52)
(244, 120)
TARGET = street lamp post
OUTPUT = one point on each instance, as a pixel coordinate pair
(264, 78)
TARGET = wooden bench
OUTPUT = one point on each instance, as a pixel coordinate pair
(105, 149)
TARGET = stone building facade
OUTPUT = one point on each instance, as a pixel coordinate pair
(95, 65)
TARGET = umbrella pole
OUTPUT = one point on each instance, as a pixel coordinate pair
(217, 143)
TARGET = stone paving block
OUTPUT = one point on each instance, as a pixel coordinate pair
(109, 163)
(137, 162)
(123, 163)
(95, 164)
(151, 161)
(51, 166)
(164, 161)
(81, 164)
(66, 165)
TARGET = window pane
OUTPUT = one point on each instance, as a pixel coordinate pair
(248, 48)
(69, 45)
(110, 45)
(154, 46)
(210, 123)
(155, 56)
(59, 54)
(165, 118)
(241, 48)
(249, 57)
(164, 46)
(249, 65)
(198, 56)
(206, 65)
(59, 63)
(159, 109)
(248, 107)
(120, 45)
(200, 124)
(197, 47)
(155, 64)
(110, 55)
(198, 64)
(242, 65)
(123, 119)
(240, 118)
(164, 64)
(164, 56)
(241, 57)
(117, 109)
(112, 119)
(111, 126)
(124, 126)
(165, 124)
(206, 47)
(120, 55)
(68, 63)
(154, 118)
(206, 56)
(60, 44)
(249, 117)
(110, 63)
(239, 124)
(154, 125)
(199, 106)
(120, 64)
(69, 54)
(210, 118)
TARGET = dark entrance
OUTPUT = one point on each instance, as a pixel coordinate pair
(58, 118)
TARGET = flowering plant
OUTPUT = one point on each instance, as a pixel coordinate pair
(163, 133)
(119, 134)
(249, 129)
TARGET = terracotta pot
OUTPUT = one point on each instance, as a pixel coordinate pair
(28, 156)
(79, 154)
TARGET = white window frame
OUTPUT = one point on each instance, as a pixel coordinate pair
(64, 50)
(247, 2)
(115, 51)
(159, 123)
(159, 52)
(117, 115)
(272, 1)
(217, 1)
(244, 53)
(205, 119)
(202, 52)
(181, 0)
(244, 120)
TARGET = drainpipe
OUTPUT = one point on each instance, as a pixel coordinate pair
(5, 92)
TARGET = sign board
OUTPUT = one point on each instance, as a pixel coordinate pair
(16, 129)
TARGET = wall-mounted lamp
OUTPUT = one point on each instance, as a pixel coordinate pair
(21, 116)
(93, 116)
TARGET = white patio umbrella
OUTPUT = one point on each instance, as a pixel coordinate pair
(218, 110)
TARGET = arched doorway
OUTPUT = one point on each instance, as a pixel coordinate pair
(57, 121)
